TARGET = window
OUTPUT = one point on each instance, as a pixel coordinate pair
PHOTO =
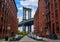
(39, 0)
(59, 1)
(50, 27)
(56, 14)
(1, 18)
(52, 15)
(46, 28)
(53, 25)
(55, 3)
(48, 9)
(49, 16)
(5, 1)
(0, 28)
(55, 0)
(51, 7)
(2, 0)
(2, 6)
(46, 1)
(57, 27)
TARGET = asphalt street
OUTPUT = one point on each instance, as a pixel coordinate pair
(27, 39)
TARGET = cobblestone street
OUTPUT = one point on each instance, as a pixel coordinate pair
(24, 39)
(27, 39)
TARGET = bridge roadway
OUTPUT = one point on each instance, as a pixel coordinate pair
(26, 22)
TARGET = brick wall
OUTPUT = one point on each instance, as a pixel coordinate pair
(8, 17)
(47, 17)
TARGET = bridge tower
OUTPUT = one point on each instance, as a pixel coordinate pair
(26, 16)
(26, 13)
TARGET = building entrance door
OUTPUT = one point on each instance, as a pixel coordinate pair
(53, 29)
(50, 27)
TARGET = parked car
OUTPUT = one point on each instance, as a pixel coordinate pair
(16, 37)
(30, 35)
(39, 38)
(34, 36)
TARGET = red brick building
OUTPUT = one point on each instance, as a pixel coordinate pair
(36, 21)
(39, 23)
(47, 17)
(8, 17)
(54, 16)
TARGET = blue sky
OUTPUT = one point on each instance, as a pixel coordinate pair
(26, 3)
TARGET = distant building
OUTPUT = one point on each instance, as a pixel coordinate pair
(47, 17)
(8, 17)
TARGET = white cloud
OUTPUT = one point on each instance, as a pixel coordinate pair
(26, 14)
(32, 28)
(20, 19)
(20, 28)
(33, 12)
(20, 8)
(29, 2)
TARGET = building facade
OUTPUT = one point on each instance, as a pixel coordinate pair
(36, 22)
(8, 17)
(48, 17)
(52, 16)
(40, 18)
(53, 21)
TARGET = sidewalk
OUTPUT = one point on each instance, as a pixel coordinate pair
(3, 40)
(50, 40)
